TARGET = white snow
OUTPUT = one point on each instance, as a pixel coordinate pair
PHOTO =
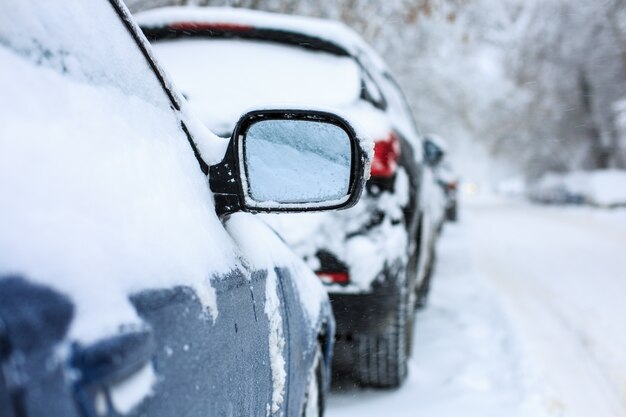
(250, 73)
(365, 254)
(99, 170)
(526, 319)
(605, 188)
(262, 248)
(129, 393)
(276, 340)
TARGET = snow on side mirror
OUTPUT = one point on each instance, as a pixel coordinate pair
(289, 161)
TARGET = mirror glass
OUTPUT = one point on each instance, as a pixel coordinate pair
(297, 161)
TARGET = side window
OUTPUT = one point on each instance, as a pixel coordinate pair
(370, 91)
(83, 40)
(398, 103)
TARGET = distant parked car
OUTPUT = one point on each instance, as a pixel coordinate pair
(450, 184)
(559, 189)
(437, 150)
(434, 215)
(369, 256)
(121, 290)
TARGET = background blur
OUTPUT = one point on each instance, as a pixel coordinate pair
(533, 85)
(527, 315)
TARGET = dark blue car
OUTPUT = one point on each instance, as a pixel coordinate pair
(133, 280)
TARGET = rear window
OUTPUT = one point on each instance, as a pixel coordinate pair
(224, 77)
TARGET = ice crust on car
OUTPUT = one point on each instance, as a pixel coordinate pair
(292, 160)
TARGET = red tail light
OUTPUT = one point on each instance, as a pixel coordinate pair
(228, 27)
(386, 156)
(334, 277)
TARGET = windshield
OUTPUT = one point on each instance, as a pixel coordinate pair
(223, 78)
(65, 39)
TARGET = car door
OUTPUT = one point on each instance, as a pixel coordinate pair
(120, 291)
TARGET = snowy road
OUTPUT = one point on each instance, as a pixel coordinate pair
(527, 318)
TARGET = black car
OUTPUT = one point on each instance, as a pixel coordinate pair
(130, 282)
(370, 257)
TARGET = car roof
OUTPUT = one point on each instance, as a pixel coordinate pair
(330, 34)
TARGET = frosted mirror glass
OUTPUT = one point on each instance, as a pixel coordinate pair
(297, 161)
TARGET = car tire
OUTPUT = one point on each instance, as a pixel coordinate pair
(314, 399)
(451, 213)
(381, 360)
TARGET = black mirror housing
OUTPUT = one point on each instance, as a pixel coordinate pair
(284, 160)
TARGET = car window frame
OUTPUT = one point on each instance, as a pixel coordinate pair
(144, 47)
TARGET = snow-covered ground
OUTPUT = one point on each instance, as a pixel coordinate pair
(527, 318)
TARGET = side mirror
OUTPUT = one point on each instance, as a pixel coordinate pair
(432, 153)
(289, 161)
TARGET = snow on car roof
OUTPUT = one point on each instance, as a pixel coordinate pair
(247, 76)
(221, 114)
(331, 31)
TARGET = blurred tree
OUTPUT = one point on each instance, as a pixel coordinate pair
(535, 83)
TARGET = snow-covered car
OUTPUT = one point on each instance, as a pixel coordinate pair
(368, 255)
(436, 151)
(130, 283)
(450, 183)
(434, 212)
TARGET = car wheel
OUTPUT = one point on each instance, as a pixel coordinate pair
(382, 359)
(451, 213)
(314, 395)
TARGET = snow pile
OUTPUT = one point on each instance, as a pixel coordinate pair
(559, 272)
(264, 250)
(130, 392)
(365, 250)
(223, 78)
(465, 359)
(604, 188)
(514, 186)
(276, 340)
(101, 204)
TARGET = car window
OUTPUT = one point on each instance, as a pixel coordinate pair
(399, 108)
(93, 163)
(247, 75)
(85, 40)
